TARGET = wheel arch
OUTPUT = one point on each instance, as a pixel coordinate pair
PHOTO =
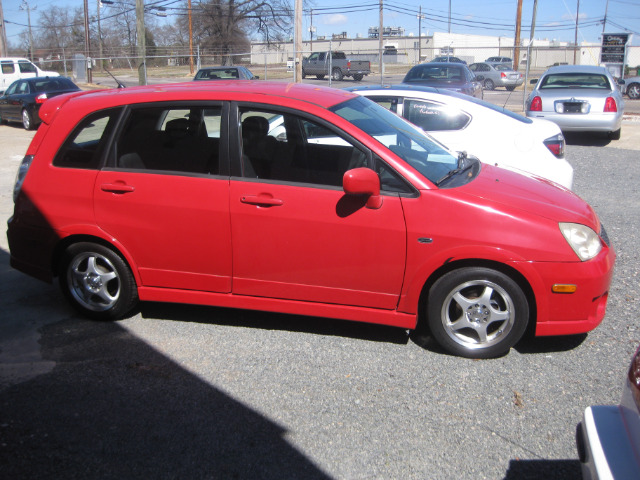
(508, 270)
(66, 242)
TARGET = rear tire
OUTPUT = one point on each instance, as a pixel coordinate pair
(488, 84)
(510, 88)
(357, 77)
(27, 119)
(97, 282)
(336, 74)
(477, 312)
(615, 135)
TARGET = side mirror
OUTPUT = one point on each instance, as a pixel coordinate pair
(621, 81)
(365, 182)
(256, 77)
(533, 81)
(479, 78)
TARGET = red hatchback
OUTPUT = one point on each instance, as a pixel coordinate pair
(298, 199)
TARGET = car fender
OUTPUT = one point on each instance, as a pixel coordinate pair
(444, 261)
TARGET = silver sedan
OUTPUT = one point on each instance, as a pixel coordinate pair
(578, 98)
(497, 75)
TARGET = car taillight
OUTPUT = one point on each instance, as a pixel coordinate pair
(22, 172)
(634, 378)
(556, 145)
(536, 104)
(41, 98)
(610, 105)
(503, 75)
(348, 64)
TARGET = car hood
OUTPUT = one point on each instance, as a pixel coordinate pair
(532, 194)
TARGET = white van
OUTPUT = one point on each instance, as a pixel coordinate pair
(12, 69)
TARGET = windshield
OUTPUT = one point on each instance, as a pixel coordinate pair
(401, 137)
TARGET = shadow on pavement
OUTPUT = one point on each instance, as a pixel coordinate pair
(113, 407)
(547, 469)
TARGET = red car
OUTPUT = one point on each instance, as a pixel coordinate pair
(298, 199)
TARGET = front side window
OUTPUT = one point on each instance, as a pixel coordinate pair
(431, 116)
(181, 139)
(84, 147)
(405, 140)
(27, 67)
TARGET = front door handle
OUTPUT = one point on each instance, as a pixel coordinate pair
(261, 200)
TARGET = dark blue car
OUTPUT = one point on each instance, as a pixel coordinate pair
(447, 75)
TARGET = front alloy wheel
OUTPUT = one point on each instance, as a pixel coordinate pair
(97, 281)
(477, 312)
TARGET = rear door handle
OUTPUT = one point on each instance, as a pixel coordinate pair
(261, 200)
(117, 188)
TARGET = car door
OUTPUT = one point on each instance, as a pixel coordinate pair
(164, 196)
(12, 101)
(296, 234)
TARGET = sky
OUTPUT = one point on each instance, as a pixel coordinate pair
(555, 19)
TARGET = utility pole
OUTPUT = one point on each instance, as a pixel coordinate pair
(297, 58)
(141, 43)
(420, 35)
(516, 40)
(526, 75)
(25, 6)
(190, 41)
(604, 24)
(575, 42)
(87, 42)
(3, 35)
(380, 48)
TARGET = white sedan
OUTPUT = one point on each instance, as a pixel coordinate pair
(493, 134)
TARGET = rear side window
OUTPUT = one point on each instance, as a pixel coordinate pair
(433, 116)
(180, 139)
(7, 67)
(84, 147)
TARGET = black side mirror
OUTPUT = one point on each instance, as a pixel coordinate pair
(534, 81)
(479, 78)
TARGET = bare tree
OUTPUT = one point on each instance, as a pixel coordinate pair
(226, 26)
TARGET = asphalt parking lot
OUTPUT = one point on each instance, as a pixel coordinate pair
(209, 393)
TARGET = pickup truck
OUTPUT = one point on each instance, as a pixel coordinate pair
(338, 66)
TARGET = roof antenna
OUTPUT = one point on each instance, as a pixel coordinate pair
(120, 84)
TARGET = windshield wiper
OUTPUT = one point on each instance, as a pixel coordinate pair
(462, 166)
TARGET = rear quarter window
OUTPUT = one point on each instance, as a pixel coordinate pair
(84, 147)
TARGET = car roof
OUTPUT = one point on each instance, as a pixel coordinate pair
(267, 91)
(577, 69)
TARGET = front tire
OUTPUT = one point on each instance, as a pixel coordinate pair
(633, 91)
(27, 119)
(319, 76)
(97, 282)
(477, 312)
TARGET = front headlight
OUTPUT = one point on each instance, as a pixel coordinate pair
(584, 241)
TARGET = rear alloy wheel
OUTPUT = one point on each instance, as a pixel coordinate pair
(336, 74)
(633, 91)
(488, 84)
(477, 312)
(27, 119)
(97, 281)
